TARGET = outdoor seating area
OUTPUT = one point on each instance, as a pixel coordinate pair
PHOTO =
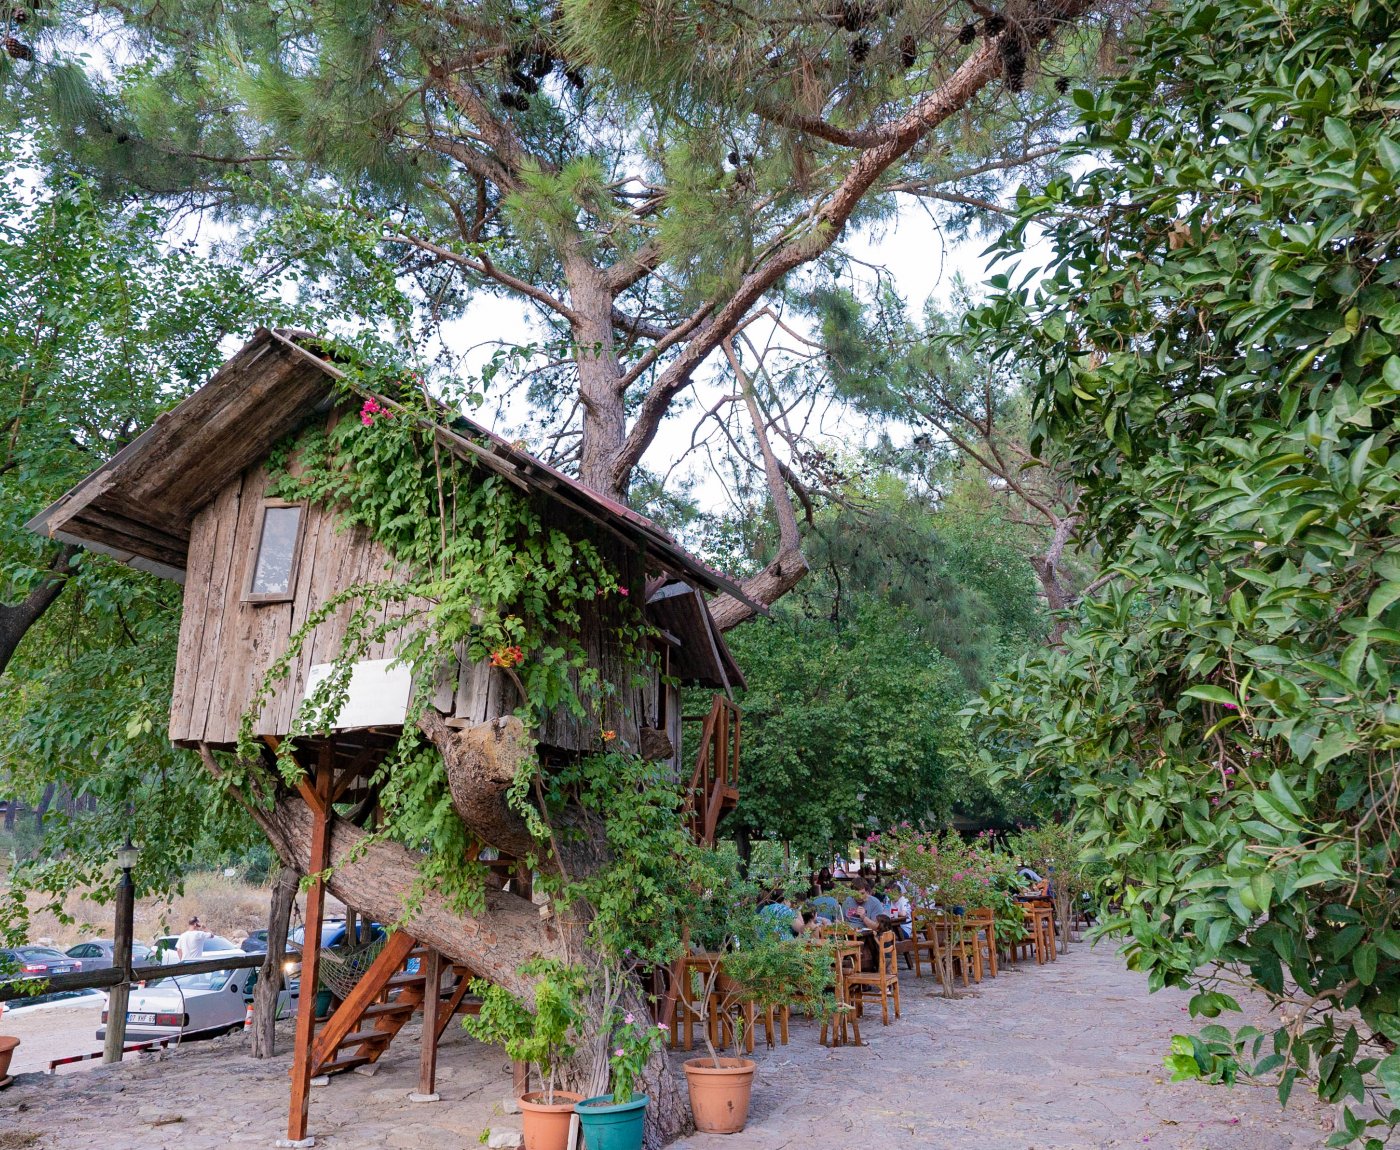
(867, 942)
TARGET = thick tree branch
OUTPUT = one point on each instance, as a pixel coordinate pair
(17, 618)
(789, 566)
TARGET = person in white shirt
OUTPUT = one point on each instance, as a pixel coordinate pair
(189, 947)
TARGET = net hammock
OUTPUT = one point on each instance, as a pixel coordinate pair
(343, 966)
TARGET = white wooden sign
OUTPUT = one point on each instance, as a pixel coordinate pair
(378, 697)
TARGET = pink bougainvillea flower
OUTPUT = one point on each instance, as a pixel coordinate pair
(623, 591)
(627, 1018)
(1231, 706)
(617, 1053)
(663, 1027)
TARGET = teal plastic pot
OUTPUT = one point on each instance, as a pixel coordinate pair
(323, 1003)
(609, 1125)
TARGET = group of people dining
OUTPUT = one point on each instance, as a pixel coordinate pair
(866, 902)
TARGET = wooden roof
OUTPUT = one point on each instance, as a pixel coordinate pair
(139, 505)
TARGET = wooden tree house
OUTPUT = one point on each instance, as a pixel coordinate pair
(188, 500)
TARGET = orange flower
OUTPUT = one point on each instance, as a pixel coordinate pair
(609, 736)
(507, 657)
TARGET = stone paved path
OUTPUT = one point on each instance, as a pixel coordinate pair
(1067, 1056)
(1062, 1057)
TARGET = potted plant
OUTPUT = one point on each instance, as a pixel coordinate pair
(615, 1121)
(541, 1038)
(762, 969)
(7, 1050)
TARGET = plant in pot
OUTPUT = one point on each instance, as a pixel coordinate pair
(758, 969)
(615, 1121)
(542, 1038)
(7, 1047)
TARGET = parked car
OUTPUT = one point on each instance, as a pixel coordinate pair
(193, 1005)
(164, 950)
(333, 933)
(36, 962)
(97, 954)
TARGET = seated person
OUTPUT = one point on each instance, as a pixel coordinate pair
(863, 908)
(780, 917)
(824, 905)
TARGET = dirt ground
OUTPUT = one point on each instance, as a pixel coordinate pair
(1062, 1057)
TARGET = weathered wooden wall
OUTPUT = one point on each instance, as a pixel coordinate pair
(227, 645)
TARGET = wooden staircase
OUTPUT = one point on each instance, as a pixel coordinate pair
(387, 995)
(714, 785)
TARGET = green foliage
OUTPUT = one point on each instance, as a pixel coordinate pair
(542, 1037)
(1216, 344)
(639, 904)
(845, 726)
(631, 1045)
(103, 324)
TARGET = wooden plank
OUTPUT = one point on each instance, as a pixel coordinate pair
(189, 654)
(317, 521)
(238, 677)
(210, 667)
(432, 1006)
(311, 951)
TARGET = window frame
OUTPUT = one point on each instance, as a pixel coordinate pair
(249, 595)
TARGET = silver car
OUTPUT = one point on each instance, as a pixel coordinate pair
(97, 954)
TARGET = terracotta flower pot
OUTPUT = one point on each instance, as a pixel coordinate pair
(547, 1124)
(7, 1049)
(719, 1096)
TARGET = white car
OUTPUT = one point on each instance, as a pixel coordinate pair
(194, 1005)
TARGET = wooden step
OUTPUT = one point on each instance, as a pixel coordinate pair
(342, 1064)
(406, 979)
(364, 1038)
(379, 1009)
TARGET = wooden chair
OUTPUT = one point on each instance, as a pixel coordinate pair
(921, 945)
(953, 942)
(1040, 917)
(693, 973)
(845, 959)
(983, 925)
(884, 980)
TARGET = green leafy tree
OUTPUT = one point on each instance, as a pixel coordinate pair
(103, 324)
(846, 726)
(1215, 340)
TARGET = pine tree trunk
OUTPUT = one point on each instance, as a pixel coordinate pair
(265, 993)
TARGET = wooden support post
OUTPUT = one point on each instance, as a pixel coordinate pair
(117, 997)
(318, 795)
(432, 1005)
(519, 1079)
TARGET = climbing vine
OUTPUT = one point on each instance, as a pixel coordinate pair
(478, 575)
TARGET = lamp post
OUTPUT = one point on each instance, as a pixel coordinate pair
(121, 955)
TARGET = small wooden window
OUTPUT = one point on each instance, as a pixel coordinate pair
(274, 576)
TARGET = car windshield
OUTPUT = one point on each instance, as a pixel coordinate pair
(44, 952)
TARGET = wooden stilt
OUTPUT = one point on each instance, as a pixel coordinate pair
(432, 1005)
(520, 1079)
(318, 795)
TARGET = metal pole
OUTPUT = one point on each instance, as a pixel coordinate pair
(121, 959)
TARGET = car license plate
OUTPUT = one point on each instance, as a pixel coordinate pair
(142, 1019)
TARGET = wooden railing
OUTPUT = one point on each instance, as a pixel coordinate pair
(714, 784)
